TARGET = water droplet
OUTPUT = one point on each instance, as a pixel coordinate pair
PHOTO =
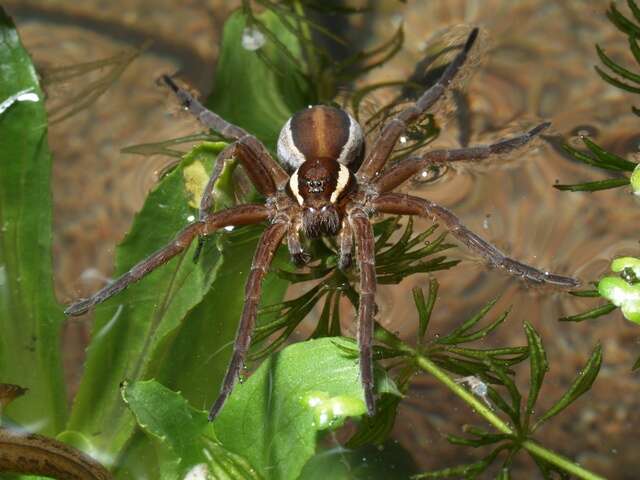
(252, 39)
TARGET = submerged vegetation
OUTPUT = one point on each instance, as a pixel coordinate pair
(157, 355)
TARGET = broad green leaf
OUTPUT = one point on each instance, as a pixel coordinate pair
(172, 422)
(129, 328)
(196, 368)
(580, 385)
(538, 365)
(259, 90)
(30, 317)
(273, 418)
(376, 430)
(367, 463)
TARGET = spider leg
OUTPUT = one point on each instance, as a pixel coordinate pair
(397, 203)
(231, 132)
(299, 257)
(240, 215)
(381, 150)
(346, 245)
(267, 246)
(363, 233)
(405, 169)
(254, 168)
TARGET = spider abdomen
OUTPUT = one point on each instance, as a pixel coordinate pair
(320, 132)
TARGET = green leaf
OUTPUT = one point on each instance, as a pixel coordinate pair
(375, 430)
(259, 90)
(623, 72)
(538, 364)
(636, 365)
(168, 418)
(591, 314)
(580, 385)
(30, 318)
(594, 186)
(425, 309)
(470, 471)
(130, 328)
(272, 419)
(388, 461)
(615, 82)
(462, 329)
(585, 293)
(621, 22)
(609, 159)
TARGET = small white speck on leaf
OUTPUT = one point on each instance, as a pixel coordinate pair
(252, 39)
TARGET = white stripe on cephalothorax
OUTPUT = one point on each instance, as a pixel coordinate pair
(353, 144)
(293, 185)
(343, 180)
(288, 152)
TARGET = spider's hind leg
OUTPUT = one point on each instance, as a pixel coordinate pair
(401, 204)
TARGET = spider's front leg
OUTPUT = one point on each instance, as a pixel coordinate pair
(363, 232)
(401, 204)
(236, 216)
(382, 148)
(245, 151)
(262, 169)
(265, 251)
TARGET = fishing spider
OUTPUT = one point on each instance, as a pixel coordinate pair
(318, 189)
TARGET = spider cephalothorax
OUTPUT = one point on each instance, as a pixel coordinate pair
(320, 144)
(326, 186)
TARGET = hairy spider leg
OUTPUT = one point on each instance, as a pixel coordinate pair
(381, 151)
(405, 169)
(346, 245)
(298, 256)
(236, 216)
(243, 150)
(264, 172)
(366, 308)
(402, 204)
(267, 246)
(261, 159)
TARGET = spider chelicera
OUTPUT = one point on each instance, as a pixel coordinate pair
(325, 185)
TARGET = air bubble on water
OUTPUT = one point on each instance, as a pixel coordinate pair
(403, 139)
(485, 222)
(253, 39)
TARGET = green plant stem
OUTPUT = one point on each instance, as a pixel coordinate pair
(430, 367)
(559, 461)
(539, 451)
